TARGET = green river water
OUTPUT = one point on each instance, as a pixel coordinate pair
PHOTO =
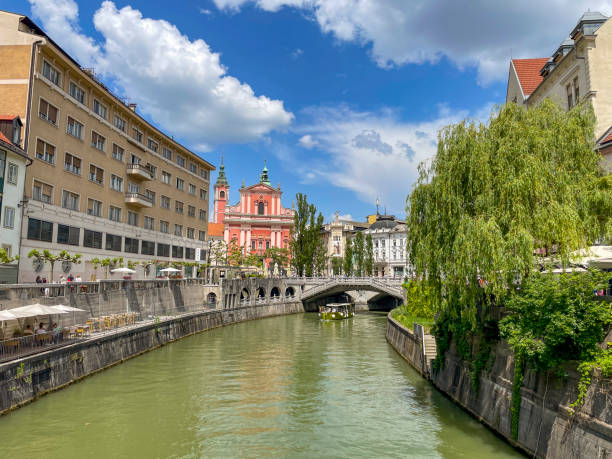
(281, 387)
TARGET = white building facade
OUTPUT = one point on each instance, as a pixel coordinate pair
(389, 242)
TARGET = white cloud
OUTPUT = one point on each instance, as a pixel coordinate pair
(181, 84)
(373, 154)
(480, 33)
(205, 11)
(308, 142)
(341, 217)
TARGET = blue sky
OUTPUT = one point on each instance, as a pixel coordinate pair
(342, 98)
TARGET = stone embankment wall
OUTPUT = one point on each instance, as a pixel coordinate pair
(24, 380)
(546, 426)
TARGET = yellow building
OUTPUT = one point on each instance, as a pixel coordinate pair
(104, 181)
(579, 69)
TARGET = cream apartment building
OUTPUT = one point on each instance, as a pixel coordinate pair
(579, 69)
(104, 181)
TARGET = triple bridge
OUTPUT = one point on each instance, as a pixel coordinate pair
(368, 293)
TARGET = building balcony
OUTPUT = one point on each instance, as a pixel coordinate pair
(138, 172)
(138, 200)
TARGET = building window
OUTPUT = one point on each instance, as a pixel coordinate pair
(149, 223)
(189, 253)
(267, 244)
(134, 159)
(260, 208)
(164, 227)
(137, 134)
(221, 194)
(164, 202)
(167, 153)
(118, 152)
(191, 211)
(180, 160)
(576, 91)
(132, 218)
(178, 207)
(74, 128)
(13, 173)
(114, 213)
(9, 217)
(153, 145)
(133, 187)
(92, 239)
(99, 109)
(40, 230)
(177, 252)
(47, 112)
(180, 184)
(151, 195)
(253, 245)
(70, 200)
(97, 141)
(570, 100)
(72, 164)
(94, 207)
(77, 93)
(260, 244)
(193, 167)
(68, 234)
(96, 174)
(45, 151)
(147, 248)
(113, 242)
(203, 194)
(166, 177)
(202, 215)
(163, 250)
(190, 233)
(152, 170)
(203, 173)
(42, 192)
(191, 189)
(116, 183)
(178, 230)
(119, 123)
(51, 74)
(130, 245)
(201, 235)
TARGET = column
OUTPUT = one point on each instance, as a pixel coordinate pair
(248, 204)
(241, 237)
(248, 240)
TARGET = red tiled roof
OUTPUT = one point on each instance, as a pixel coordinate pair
(607, 139)
(216, 229)
(528, 72)
(8, 117)
(4, 139)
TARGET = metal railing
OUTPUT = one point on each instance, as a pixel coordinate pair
(14, 348)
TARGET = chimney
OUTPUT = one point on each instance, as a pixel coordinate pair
(132, 107)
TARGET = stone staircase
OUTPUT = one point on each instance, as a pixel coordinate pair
(430, 350)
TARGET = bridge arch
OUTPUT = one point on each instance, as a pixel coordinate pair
(211, 299)
(290, 291)
(245, 294)
(275, 292)
(261, 293)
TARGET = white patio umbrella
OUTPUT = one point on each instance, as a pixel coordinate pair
(4, 316)
(63, 307)
(123, 271)
(33, 310)
(169, 270)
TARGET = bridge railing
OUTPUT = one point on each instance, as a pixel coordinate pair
(387, 285)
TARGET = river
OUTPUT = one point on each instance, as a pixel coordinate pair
(281, 387)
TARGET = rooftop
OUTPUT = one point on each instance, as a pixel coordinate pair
(528, 73)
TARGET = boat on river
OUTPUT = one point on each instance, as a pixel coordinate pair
(337, 311)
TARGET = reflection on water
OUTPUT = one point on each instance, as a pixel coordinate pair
(287, 386)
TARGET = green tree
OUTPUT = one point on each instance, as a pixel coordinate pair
(47, 257)
(320, 258)
(218, 253)
(496, 193)
(348, 258)
(252, 259)
(278, 256)
(235, 253)
(337, 263)
(5, 259)
(369, 256)
(359, 251)
(306, 236)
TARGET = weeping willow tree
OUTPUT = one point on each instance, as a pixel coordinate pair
(495, 196)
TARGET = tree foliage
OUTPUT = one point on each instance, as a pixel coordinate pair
(359, 253)
(369, 256)
(47, 257)
(494, 193)
(306, 237)
(5, 259)
(348, 258)
(337, 263)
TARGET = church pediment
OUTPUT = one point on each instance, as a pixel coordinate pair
(262, 188)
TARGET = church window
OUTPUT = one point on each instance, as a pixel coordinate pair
(260, 208)
(221, 194)
(252, 245)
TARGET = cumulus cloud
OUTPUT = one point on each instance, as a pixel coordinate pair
(181, 84)
(374, 154)
(479, 33)
(308, 142)
(296, 53)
